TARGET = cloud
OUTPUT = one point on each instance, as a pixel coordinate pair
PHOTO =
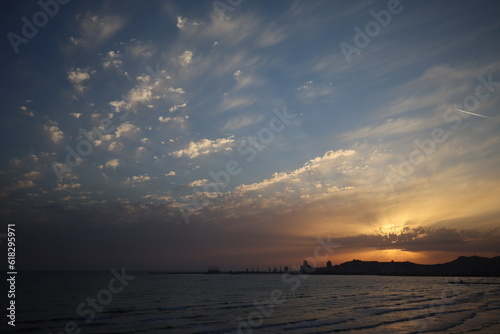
(116, 146)
(31, 175)
(245, 80)
(118, 105)
(234, 102)
(78, 76)
(171, 173)
(157, 197)
(176, 90)
(25, 111)
(67, 187)
(198, 183)
(134, 180)
(205, 146)
(98, 28)
(126, 130)
(145, 141)
(186, 57)
(296, 176)
(77, 41)
(141, 94)
(177, 106)
(438, 85)
(391, 127)
(76, 114)
(55, 134)
(181, 21)
(311, 91)
(112, 60)
(425, 238)
(23, 184)
(178, 119)
(236, 123)
(113, 163)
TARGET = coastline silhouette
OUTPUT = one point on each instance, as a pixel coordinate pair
(474, 266)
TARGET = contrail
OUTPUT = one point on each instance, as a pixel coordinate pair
(471, 113)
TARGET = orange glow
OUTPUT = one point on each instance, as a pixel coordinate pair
(398, 255)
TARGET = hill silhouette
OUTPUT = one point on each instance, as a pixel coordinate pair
(462, 266)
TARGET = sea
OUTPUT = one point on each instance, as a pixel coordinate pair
(141, 302)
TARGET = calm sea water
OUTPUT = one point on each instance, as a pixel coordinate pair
(264, 303)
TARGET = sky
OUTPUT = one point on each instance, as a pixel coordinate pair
(176, 135)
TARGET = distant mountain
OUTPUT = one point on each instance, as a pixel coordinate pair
(462, 266)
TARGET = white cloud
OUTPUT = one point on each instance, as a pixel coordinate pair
(77, 41)
(296, 175)
(115, 146)
(171, 173)
(56, 135)
(112, 60)
(137, 179)
(126, 129)
(198, 183)
(140, 94)
(245, 80)
(181, 21)
(113, 163)
(176, 107)
(76, 114)
(78, 76)
(204, 146)
(177, 119)
(118, 105)
(186, 57)
(177, 90)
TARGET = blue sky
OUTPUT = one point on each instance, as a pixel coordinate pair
(371, 148)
